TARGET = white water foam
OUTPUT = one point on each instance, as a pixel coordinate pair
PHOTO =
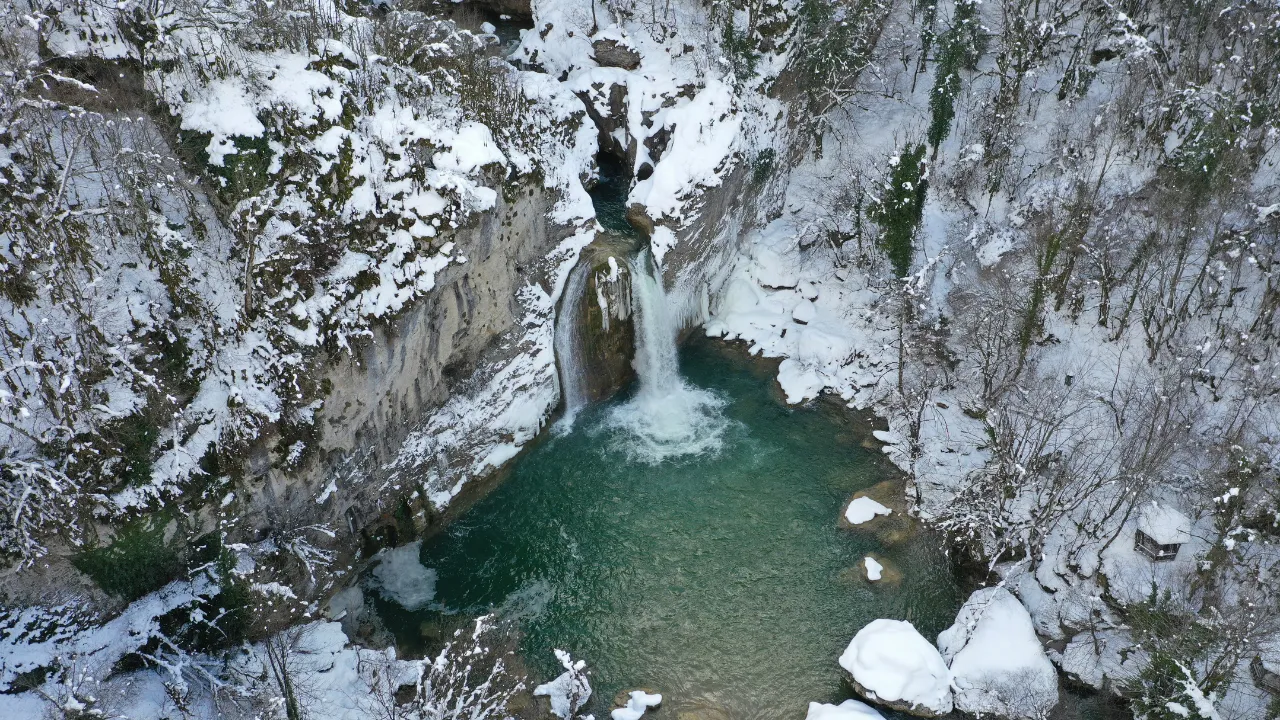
(667, 418)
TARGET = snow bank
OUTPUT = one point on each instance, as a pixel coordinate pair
(891, 663)
(998, 666)
(402, 578)
(864, 509)
(636, 705)
(873, 568)
(847, 710)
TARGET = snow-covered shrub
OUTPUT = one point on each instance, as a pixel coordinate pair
(958, 49)
(834, 45)
(467, 679)
(108, 308)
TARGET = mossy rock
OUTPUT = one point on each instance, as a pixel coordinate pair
(890, 575)
(889, 529)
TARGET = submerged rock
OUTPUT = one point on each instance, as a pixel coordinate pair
(997, 663)
(877, 569)
(703, 712)
(863, 509)
(890, 663)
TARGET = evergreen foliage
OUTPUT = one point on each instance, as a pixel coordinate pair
(959, 49)
(901, 208)
(136, 562)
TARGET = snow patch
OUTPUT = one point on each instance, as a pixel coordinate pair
(864, 509)
(847, 710)
(637, 703)
(570, 690)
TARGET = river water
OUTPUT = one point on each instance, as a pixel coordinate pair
(717, 577)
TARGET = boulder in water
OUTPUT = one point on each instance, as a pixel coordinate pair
(890, 663)
(638, 216)
(997, 663)
(847, 710)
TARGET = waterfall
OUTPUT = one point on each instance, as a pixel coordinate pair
(666, 418)
(656, 360)
(569, 350)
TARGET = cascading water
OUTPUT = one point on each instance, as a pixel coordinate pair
(569, 350)
(666, 418)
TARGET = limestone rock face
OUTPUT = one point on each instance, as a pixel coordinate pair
(608, 106)
(603, 314)
(383, 389)
(611, 53)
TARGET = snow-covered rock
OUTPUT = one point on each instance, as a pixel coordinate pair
(874, 569)
(804, 313)
(998, 665)
(847, 710)
(772, 272)
(637, 702)
(568, 692)
(863, 509)
(891, 663)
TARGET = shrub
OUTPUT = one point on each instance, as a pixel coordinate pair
(960, 48)
(137, 562)
(901, 208)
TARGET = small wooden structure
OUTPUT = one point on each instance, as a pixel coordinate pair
(1161, 531)
(1266, 675)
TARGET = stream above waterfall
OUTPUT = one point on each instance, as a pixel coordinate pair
(718, 578)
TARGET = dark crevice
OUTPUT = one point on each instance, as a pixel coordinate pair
(609, 194)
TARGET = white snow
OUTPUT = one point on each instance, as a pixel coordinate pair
(637, 703)
(847, 710)
(472, 147)
(998, 665)
(864, 509)
(570, 690)
(874, 568)
(897, 665)
(1164, 524)
(401, 577)
(804, 313)
(37, 637)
